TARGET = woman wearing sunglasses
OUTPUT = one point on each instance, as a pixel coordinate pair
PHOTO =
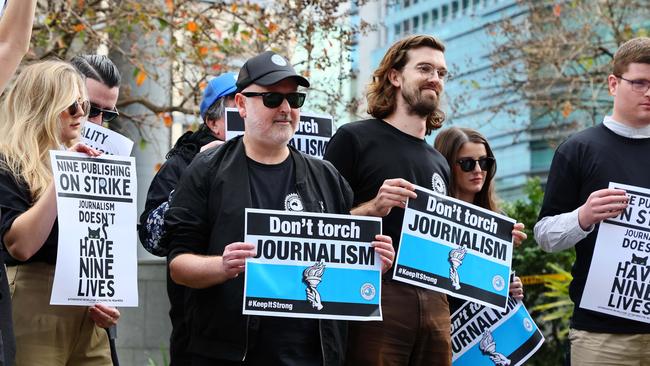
(44, 111)
(472, 172)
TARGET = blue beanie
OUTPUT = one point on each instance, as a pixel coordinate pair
(218, 87)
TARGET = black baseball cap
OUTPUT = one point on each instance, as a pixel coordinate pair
(266, 69)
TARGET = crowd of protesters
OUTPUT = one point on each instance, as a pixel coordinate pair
(194, 213)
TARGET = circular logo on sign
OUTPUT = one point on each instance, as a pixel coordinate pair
(528, 325)
(438, 184)
(292, 202)
(278, 60)
(368, 291)
(498, 283)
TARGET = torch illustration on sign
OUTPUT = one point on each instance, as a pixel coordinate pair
(455, 260)
(312, 276)
(489, 348)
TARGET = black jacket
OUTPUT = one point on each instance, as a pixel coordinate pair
(165, 181)
(207, 213)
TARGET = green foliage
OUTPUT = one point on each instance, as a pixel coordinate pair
(560, 306)
(550, 309)
(164, 357)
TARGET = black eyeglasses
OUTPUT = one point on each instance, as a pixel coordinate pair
(468, 164)
(273, 99)
(79, 105)
(640, 86)
(107, 114)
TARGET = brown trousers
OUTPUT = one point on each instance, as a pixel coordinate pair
(51, 335)
(416, 330)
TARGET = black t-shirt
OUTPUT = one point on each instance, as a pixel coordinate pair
(280, 341)
(585, 163)
(15, 199)
(368, 152)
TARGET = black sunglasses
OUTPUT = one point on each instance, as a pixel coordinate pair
(468, 164)
(107, 114)
(273, 99)
(77, 105)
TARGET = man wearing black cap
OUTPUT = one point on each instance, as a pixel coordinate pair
(218, 94)
(206, 226)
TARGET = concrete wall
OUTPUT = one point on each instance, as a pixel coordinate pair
(144, 330)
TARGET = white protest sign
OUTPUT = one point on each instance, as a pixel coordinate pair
(481, 336)
(312, 266)
(311, 138)
(105, 140)
(454, 247)
(96, 206)
(618, 282)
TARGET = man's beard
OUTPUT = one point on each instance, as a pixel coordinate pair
(420, 105)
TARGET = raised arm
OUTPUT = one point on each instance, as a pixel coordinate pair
(15, 33)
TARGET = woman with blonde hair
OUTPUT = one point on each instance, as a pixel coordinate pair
(473, 167)
(45, 110)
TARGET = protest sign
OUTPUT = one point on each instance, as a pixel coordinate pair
(481, 336)
(455, 247)
(96, 206)
(105, 140)
(312, 266)
(618, 282)
(312, 135)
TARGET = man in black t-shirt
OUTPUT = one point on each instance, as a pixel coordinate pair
(205, 224)
(382, 159)
(577, 199)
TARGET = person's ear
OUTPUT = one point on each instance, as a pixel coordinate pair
(612, 84)
(394, 77)
(240, 104)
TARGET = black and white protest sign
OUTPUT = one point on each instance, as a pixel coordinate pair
(96, 206)
(481, 336)
(618, 282)
(455, 247)
(312, 266)
(105, 140)
(312, 135)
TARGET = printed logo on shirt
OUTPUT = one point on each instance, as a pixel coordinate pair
(293, 202)
(438, 184)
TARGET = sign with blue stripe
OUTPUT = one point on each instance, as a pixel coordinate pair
(312, 265)
(312, 134)
(481, 336)
(454, 247)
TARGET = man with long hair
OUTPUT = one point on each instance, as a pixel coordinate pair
(382, 158)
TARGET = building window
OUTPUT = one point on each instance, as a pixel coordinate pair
(398, 30)
(476, 3)
(407, 3)
(406, 27)
(465, 6)
(416, 25)
(454, 9)
(435, 16)
(425, 21)
(445, 13)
